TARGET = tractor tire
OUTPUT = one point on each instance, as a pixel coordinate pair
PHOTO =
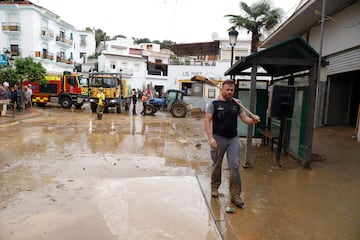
(93, 107)
(66, 103)
(149, 109)
(178, 110)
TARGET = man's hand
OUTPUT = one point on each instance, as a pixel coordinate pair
(255, 118)
(212, 143)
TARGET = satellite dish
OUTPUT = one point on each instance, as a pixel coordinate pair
(215, 36)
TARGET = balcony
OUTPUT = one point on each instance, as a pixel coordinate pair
(44, 55)
(64, 60)
(15, 53)
(11, 27)
(47, 34)
(64, 42)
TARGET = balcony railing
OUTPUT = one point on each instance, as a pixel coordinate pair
(48, 56)
(64, 41)
(64, 60)
(15, 53)
(11, 27)
(47, 33)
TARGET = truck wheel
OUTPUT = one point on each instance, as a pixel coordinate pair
(66, 103)
(118, 108)
(149, 109)
(127, 106)
(178, 110)
(93, 107)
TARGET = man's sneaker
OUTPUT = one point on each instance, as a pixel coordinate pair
(214, 192)
(238, 202)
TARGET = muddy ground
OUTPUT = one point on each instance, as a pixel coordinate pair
(66, 175)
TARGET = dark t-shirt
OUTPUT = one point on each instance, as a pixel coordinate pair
(224, 117)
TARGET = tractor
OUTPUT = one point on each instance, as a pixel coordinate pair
(172, 102)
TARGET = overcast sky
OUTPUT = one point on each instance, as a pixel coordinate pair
(182, 21)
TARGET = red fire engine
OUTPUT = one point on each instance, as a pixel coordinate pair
(63, 89)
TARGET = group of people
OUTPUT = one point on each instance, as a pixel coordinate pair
(13, 94)
(101, 102)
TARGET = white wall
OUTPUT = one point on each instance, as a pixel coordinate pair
(340, 35)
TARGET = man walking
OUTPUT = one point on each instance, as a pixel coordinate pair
(101, 104)
(221, 129)
(134, 100)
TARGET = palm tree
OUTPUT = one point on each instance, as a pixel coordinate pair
(256, 17)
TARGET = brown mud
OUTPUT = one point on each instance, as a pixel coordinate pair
(65, 174)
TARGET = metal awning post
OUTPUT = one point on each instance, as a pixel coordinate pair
(250, 129)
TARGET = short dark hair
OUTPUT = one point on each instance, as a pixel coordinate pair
(228, 82)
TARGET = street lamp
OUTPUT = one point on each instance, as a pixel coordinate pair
(233, 34)
(9, 58)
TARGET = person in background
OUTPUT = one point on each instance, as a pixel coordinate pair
(29, 94)
(221, 129)
(144, 99)
(134, 100)
(3, 100)
(101, 101)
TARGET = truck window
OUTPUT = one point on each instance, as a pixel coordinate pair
(71, 80)
(83, 81)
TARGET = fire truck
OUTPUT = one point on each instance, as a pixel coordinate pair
(117, 92)
(65, 89)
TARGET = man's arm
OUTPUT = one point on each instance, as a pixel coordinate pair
(207, 124)
(249, 120)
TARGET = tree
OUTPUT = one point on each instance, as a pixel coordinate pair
(260, 15)
(33, 71)
(118, 36)
(9, 75)
(100, 35)
(24, 68)
(141, 40)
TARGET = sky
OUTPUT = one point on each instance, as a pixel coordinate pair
(181, 21)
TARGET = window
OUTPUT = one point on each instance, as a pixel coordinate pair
(83, 40)
(211, 93)
(14, 48)
(71, 80)
(62, 34)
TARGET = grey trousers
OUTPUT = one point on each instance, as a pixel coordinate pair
(232, 148)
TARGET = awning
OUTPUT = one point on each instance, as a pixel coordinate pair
(290, 56)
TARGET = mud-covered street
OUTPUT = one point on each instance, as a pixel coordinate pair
(66, 175)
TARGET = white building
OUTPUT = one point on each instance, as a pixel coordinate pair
(84, 54)
(29, 30)
(144, 65)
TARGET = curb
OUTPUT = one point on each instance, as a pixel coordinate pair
(9, 120)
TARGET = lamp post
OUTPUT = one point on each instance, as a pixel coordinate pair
(9, 58)
(233, 34)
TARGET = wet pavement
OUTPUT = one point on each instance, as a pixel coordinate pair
(66, 175)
